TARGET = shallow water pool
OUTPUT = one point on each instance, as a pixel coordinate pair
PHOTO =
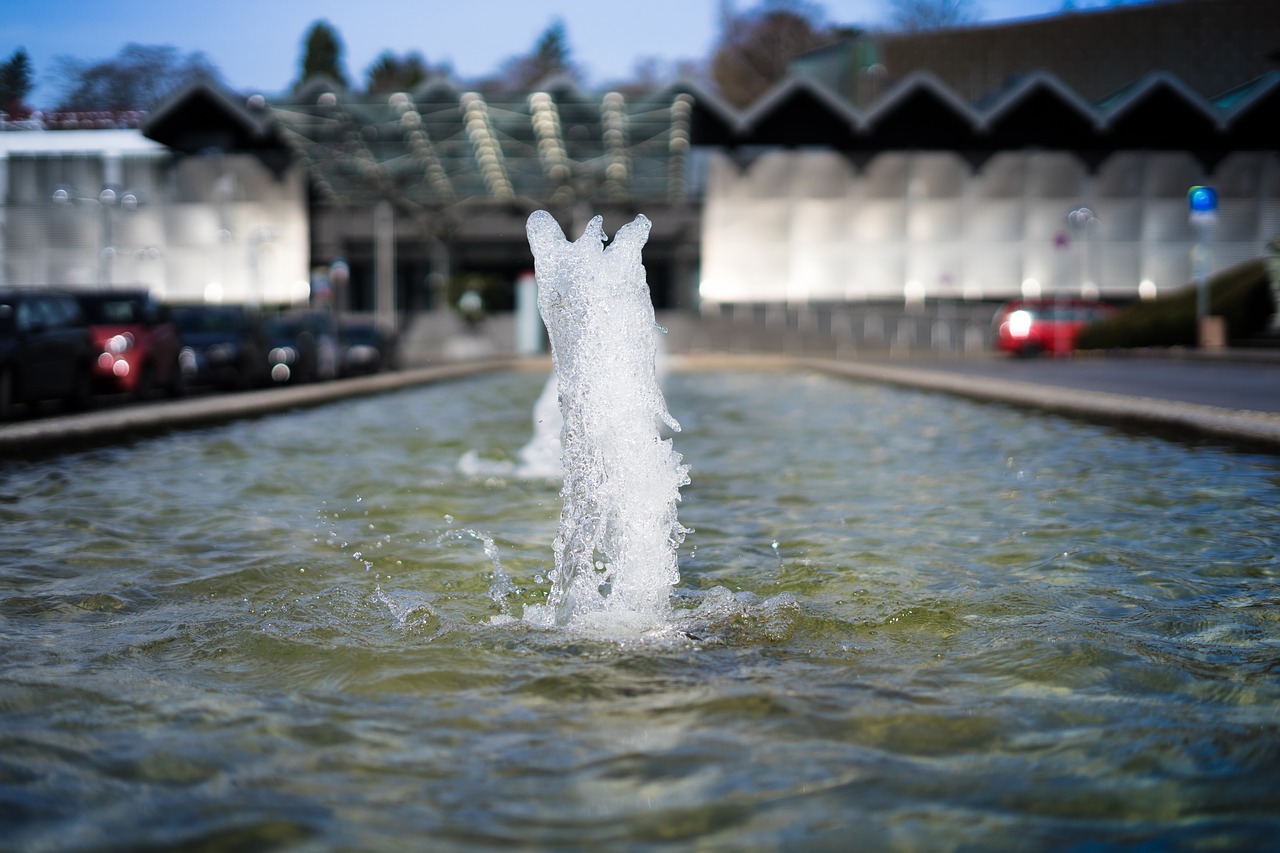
(905, 622)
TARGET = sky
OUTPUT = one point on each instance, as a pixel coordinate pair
(257, 44)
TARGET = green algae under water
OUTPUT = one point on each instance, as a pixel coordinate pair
(907, 622)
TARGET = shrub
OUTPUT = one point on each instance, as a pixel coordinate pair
(1241, 294)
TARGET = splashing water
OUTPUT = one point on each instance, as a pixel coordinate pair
(501, 586)
(539, 459)
(615, 552)
(541, 456)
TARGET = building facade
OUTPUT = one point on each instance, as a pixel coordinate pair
(1047, 155)
(110, 207)
(964, 166)
(924, 197)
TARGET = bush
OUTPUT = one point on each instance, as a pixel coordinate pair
(1241, 294)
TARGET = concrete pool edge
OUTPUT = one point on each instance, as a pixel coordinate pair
(1249, 429)
(63, 433)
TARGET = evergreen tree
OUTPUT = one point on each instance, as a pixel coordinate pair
(15, 82)
(391, 73)
(322, 55)
(551, 57)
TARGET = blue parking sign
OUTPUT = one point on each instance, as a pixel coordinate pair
(1203, 202)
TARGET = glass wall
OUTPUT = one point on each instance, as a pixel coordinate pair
(805, 225)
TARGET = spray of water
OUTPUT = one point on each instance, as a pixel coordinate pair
(615, 551)
(539, 459)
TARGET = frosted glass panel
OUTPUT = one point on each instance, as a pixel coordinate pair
(821, 174)
(879, 220)
(1120, 176)
(1003, 176)
(771, 175)
(938, 175)
(997, 219)
(815, 222)
(935, 220)
(886, 176)
(1171, 175)
(1054, 176)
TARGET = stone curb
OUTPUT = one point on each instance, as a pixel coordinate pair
(1254, 430)
(76, 431)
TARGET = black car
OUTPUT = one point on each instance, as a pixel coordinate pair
(45, 349)
(304, 347)
(365, 347)
(224, 346)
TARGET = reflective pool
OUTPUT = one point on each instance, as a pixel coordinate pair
(905, 621)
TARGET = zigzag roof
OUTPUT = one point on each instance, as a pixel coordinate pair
(921, 112)
(440, 146)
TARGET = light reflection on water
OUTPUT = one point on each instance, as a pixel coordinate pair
(920, 622)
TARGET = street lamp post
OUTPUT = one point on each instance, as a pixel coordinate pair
(1203, 204)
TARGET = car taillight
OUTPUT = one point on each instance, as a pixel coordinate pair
(119, 343)
(1019, 324)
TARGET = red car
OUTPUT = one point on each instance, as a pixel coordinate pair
(135, 341)
(1029, 327)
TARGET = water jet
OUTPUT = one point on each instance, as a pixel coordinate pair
(615, 550)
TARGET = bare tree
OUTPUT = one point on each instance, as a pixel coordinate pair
(137, 78)
(756, 47)
(915, 16)
(551, 57)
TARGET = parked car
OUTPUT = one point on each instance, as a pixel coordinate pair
(1029, 327)
(45, 349)
(136, 341)
(222, 345)
(364, 347)
(304, 347)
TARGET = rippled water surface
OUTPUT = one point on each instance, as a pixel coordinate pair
(906, 622)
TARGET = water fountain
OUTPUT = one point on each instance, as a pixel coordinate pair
(615, 553)
(908, 620)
